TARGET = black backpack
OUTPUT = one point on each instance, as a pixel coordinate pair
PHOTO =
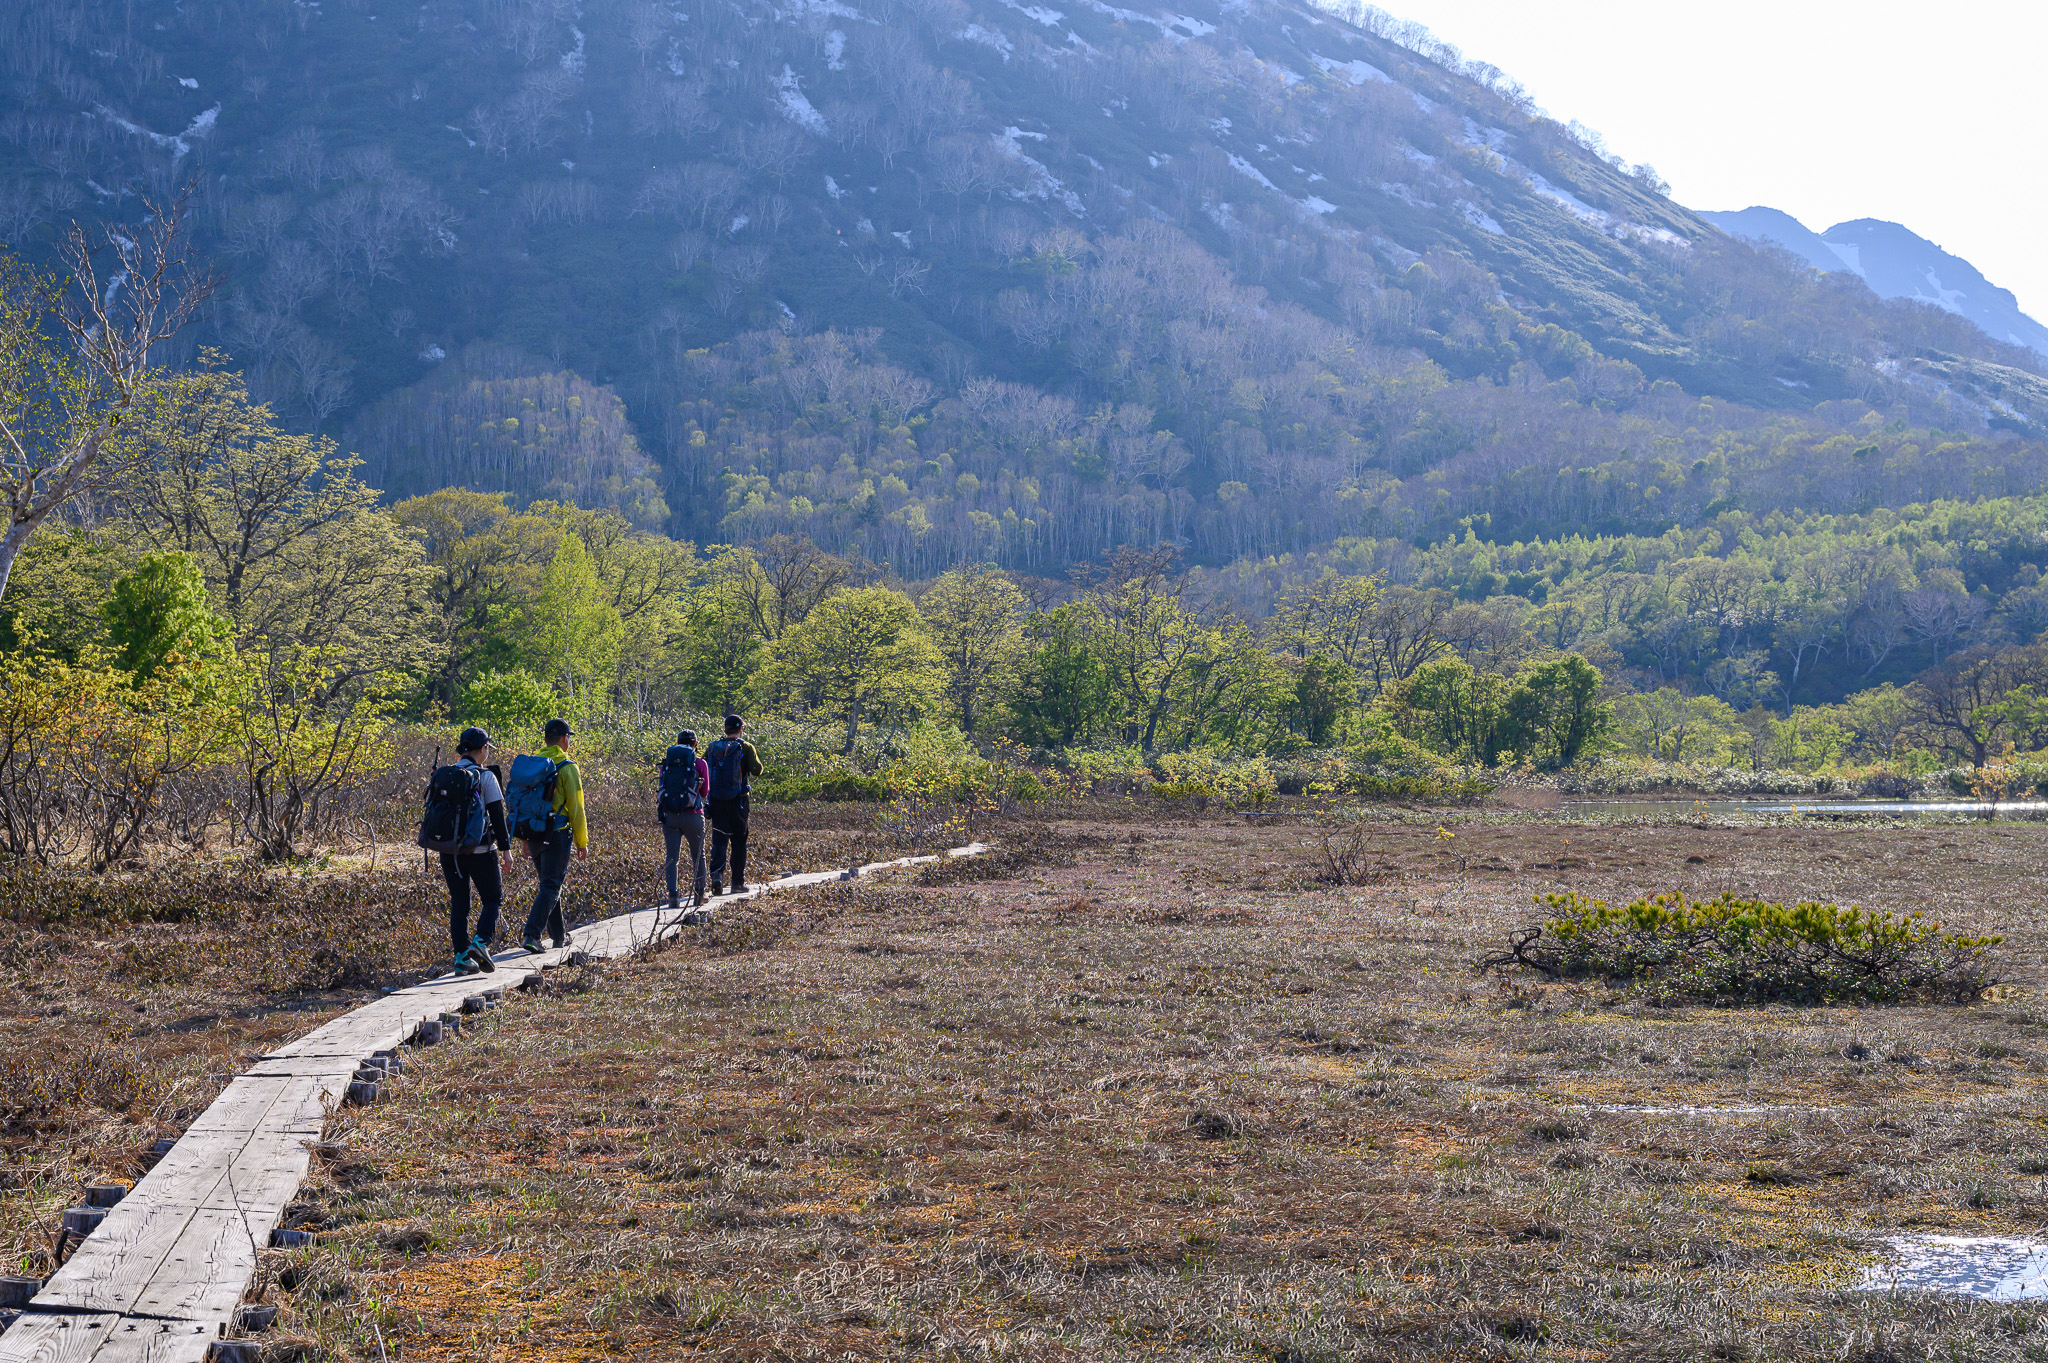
(454, 818)
(679, 795)
(727, 759)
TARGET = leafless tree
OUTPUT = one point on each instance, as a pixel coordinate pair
(294, 274)
(687, 249)
(302, 158)
(254, 228)
(61, 412)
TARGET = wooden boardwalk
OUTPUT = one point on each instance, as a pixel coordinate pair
(161, 1278)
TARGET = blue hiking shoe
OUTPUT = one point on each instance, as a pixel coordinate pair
(479, 954)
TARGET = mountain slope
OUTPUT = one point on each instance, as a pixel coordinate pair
(1780, 229)
(1895, 263)
(940, 277)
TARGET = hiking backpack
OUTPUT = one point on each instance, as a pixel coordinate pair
(454, 818)
(727, 760)
(530, 797)
(679, 794)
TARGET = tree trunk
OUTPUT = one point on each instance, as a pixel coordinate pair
(10, 546)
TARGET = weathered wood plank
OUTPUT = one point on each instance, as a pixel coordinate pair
(57, 1339)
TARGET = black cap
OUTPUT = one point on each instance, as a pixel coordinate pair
(557, 728)
(733, 724)
(473, 739)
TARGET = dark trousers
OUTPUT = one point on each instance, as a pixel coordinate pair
(481, 870)
(688, 826)
(728, 820)
(551, 864)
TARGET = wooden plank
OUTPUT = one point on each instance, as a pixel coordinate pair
(208, 1268)
(114, 1264)
(56, 1339)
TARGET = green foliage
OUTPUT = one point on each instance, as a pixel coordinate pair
(1063, 693)
(158, 609)
(571, 631)
(860, 656)
(1733, 949)
(512, 705)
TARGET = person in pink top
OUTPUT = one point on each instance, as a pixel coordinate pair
(685, 785)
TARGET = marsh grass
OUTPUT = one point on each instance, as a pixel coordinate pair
(1150, 1099)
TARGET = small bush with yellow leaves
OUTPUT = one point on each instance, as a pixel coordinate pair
(1733, 950)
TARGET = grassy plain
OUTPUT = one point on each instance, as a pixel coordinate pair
(1152, 1087)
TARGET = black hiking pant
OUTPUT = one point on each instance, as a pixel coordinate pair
(728, 820)
(462, 870)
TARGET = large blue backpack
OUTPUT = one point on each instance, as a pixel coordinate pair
(454, 817)
(679, 795)
(727, 759)
(530, 797)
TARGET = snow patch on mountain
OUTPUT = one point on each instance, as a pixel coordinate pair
(1251, 172)
(1044, 184)
(179, 145)
(1357, 72)
(989, 37)
(795, 107)
(1045, 16)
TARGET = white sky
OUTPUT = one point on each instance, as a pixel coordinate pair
(1924, 114)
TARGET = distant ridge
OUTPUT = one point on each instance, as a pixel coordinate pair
(1896, 263)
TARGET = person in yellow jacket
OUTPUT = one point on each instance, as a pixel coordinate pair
(551, 853)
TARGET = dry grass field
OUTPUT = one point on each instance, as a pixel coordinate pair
(1145, 1089)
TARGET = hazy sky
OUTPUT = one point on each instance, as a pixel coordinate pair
(1926, 115)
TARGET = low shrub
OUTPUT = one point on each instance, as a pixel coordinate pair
(1185, 794)
(1426, 789)
(1733, 949)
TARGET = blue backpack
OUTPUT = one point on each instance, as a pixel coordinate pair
(679, 794)
(454, 818)
(727, 760)
(530, 797)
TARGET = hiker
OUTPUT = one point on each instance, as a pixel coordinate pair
(732, 760)
(465, 823)
(685, 783)
(544, 797)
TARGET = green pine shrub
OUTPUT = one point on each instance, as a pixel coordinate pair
(1736, 950)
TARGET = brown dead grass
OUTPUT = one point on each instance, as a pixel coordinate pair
(1159, 1092)
(126, 1003)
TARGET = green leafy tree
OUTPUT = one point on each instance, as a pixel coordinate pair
(973, 617)
(860, 656)
(1063, 691)
(1148, 636)
(1324, 690)
(512, 703)
(159, 609)
(484, 562)
(1555, 711)
(571, 632)
(1455, 709)
(720, 643)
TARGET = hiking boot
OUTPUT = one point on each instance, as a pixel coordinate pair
(739, 887)
(480, 952)
(533, 946)
(561, 942)
(462, 965)
(717, 887)
(700, 900)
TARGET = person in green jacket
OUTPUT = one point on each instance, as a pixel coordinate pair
(551, 854)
